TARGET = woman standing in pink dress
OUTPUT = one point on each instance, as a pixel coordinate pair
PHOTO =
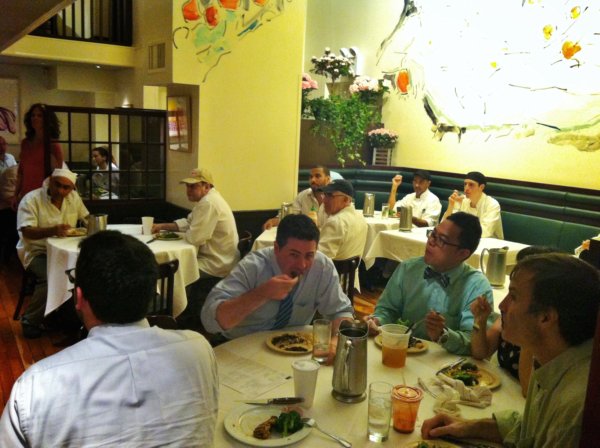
(40, 152)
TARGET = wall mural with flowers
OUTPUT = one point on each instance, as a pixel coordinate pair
(214, 26)
(516, 68)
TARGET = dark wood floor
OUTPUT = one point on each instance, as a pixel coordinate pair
(18, 353)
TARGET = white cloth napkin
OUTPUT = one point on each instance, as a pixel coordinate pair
(454, 392)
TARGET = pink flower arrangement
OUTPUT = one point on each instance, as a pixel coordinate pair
(308, 83)
(382, 138)
(369, 88)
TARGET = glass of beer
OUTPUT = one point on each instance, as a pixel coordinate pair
(394, 347)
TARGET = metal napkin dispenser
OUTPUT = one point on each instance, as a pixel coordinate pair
(369, 205)
(405, 219)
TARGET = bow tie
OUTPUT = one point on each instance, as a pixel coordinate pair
(442, 279)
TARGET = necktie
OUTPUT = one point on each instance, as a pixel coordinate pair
(442, 279)
(285, 310)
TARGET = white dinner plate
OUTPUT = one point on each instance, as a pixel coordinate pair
(241, 421)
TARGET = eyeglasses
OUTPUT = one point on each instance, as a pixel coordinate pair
(71, 275)
(439, 240)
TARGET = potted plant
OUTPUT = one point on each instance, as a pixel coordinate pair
(344, 121)
(370, 91)
(335, 67)
(382, 141)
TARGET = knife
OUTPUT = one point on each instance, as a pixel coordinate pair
(149, 241)
(451, 365)
(284, 400)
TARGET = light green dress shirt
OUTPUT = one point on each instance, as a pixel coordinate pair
(554, 405)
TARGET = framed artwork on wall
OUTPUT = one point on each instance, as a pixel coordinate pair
(10, 115)
(178, 116)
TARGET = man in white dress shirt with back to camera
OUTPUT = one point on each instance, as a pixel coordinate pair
(126, 384)
(211, 228)
(476, 202)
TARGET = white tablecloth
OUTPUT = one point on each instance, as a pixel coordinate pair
(350, 420)
(63, 252)
(400, 246)
(376, 224)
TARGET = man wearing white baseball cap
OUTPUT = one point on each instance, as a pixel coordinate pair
(211, 228)
(48, 211)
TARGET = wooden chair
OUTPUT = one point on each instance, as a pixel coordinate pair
(592, 255)
(347, 271)
(27, 286)
(245, 243)
(160, 311)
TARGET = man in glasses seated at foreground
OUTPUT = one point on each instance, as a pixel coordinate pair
(127, 384)
(435, 291)
(51, 210)
(550, 311)
(277, 287)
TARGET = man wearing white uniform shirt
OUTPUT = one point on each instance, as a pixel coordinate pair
(48, 211)
(426, 206)
(211, 228)
(476, 202)
(127, 384)
(309, 201)
(344, 234)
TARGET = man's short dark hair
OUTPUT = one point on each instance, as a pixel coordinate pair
(300, 227)
(117, 275)
(470, 230)
(570, 286)
(322, 167)
(477, 177)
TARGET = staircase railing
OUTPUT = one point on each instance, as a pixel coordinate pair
(101, 21)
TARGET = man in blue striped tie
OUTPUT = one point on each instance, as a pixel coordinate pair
(277, 287)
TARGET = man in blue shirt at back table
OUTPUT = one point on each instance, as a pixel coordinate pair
(277, 287)
(435, 291)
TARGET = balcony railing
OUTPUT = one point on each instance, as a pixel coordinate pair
(101, 21)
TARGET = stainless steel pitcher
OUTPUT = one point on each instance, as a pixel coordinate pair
(350, 366)
(369, 205)
(97, 223)
(495, 269)
(405, 219)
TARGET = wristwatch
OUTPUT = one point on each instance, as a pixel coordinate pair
(443, 337)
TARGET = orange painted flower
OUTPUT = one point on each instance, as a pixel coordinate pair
(212, 16)
(403, 80)
(569, 49)
(190, 10)
(230, 4)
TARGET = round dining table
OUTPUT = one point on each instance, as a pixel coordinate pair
(348, 421)
(62, 254)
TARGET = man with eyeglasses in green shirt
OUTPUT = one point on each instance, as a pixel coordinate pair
(438, 287)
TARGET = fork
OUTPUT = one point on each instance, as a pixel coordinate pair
(313, 424)
(425, 388)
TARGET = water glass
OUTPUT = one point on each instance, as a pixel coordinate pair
(380, 411)
(321, 340)
(385, 210)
